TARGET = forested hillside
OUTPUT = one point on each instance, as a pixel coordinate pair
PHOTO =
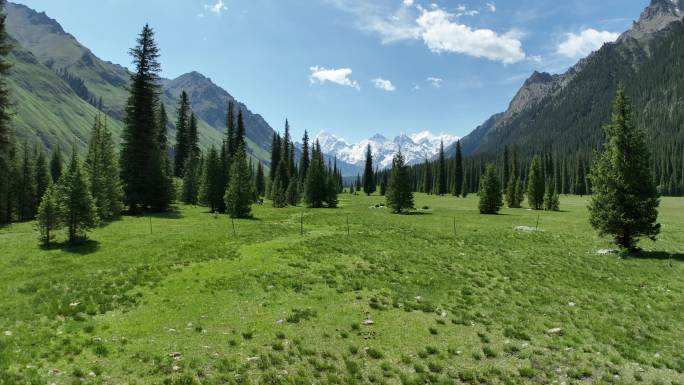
(567, 123)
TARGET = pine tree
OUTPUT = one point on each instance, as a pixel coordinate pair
(191, 180)
(56, 164)
(440, 173)
(76, 202)
(7, 146)
(279, 188)
(535, 185)
(369, 185)
(490, 192)
(49, 215)
(399, 195)
(142, 166)
(458, 171)
(316, 179)
(27, 201)
(193, 137)
(229, 141)
(331, 191)
(41, 173)
(427, 178)
(240, 133)
(625, 201)
(260, 182)
(304, 160)
(275, 160)
(212, 187)
(551, 199)
(101, 166)
(182, 126)
(292, 192)
(239, 194)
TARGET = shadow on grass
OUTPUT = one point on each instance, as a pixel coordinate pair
(657, 255)
(81, 248)
(416, 213)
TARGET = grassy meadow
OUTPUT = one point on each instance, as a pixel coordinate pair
(183, 299)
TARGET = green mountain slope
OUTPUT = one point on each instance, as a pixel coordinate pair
(81, 80)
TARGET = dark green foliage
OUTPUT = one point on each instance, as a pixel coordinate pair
(102, 168)
(239, 195)
(316, 184)
(304, 160)
(212, 185)
(369, 185)
(427, 177)
(551, 199)
(182, 140)
(192, 180)
(625, 202)
(41, 172)
(399, 194)
(6, 134)
(440, 173)
(259, 181)
(27, 201)
(535, 185)
(142, 165)
(490, 192)
(76, 202)
(56, 164)
(292, 192)
(279, 186)
(49, 215)
(457, 183)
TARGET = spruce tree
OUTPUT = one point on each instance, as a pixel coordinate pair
(76, 202)
(103, 172)
(212, 187)
(191, 180)
(490, 192)
(535, 185)
(193, 137)
(625, 201)
(41, 172)
(260, 182)
(49, 215)
(239, 194)
(427, 178)
(142, 166)
(316, 180)
(331, 190)
(27, 201)
(440, 174)
(182, 126)
(551, 199)
(240, 133)
(369, 186)
(279, 187)
(7, 146)
(275, 160)
(56, 164)
(304, 160)
(399, 195)
(292, 192)
(458, 171)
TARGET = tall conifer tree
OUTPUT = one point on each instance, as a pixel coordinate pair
(103, 171)
(535, 185)
(458, 171)
(182, 125)
(77, 204)
(368, 175)
(399, 195)
(490, 192)
(625, 201)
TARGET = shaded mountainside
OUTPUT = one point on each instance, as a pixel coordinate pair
(57, 82)
(565, 112)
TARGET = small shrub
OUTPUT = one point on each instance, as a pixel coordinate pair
(374, 353)
(526, 372)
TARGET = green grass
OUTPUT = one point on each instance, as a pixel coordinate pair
(189, 303)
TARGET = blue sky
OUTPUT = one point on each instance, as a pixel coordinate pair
(356, 67)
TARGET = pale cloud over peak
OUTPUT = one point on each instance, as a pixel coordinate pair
(383, 84)
(338, 76)
(435, 82)
(441, 31)
(579, 45)
(217, 8)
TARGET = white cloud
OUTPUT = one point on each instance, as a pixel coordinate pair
(435, 82)
(492, 7)
(439, 30)
(441, 34)
(579, 45)
(217, 8)
(339, 76)
(383, 84)
(408, 3)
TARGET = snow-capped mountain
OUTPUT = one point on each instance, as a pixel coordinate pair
(415, 147)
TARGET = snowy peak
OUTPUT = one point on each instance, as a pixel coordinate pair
(415, 147)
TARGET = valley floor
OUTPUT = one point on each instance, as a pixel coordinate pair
(182, 299)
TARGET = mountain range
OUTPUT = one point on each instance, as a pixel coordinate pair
(58, 86)
(568, 110)
(415, 147)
